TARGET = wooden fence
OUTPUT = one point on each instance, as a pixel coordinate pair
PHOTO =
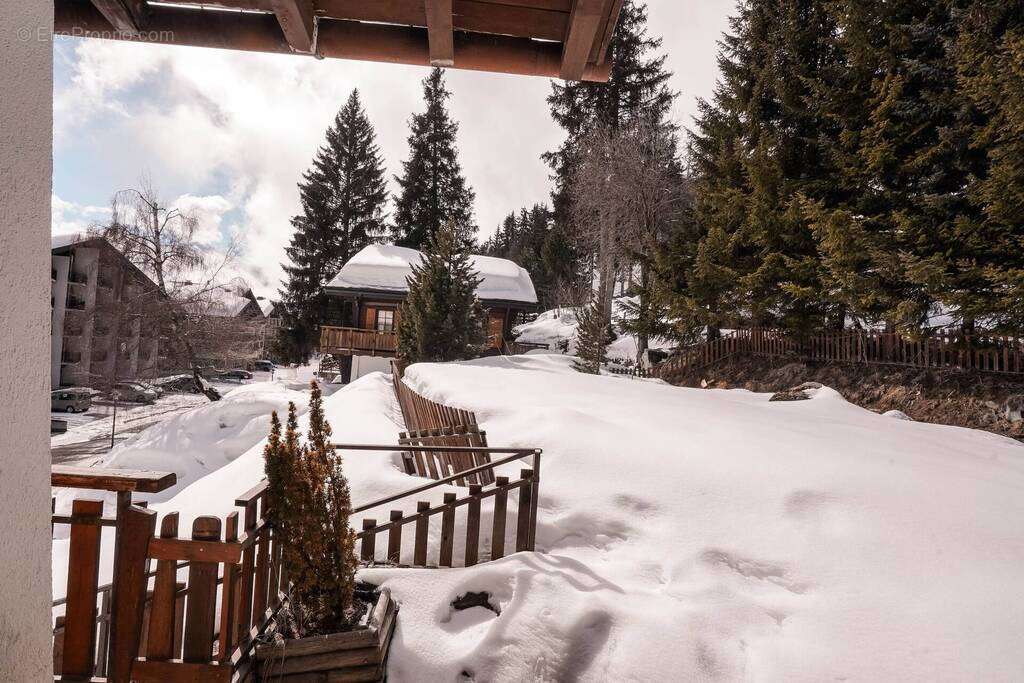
(196, 614)
(429, 423)
(525, 516)
(982, 353)
(152, 625)
(437, 464)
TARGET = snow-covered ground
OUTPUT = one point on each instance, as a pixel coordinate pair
(688, 534)
(558, 328)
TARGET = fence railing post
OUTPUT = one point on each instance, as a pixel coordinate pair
(135, 528)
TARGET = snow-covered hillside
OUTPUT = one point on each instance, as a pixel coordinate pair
(688, 534)
(558, 329)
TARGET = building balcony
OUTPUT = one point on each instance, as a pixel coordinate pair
(349, 341)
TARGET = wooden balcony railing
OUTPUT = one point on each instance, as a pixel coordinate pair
(160, 623)
(348, 340)
(100, 643)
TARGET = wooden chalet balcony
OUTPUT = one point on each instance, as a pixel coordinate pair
(353, 340)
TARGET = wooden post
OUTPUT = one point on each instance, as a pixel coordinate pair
(473, 525)
(368, 547)
(422, 528)
(259, 592)
(201, 607)
(394, 539)
(135, 529)
(248, 564)
(447, 531)
(525, 512)
(78, 656)
(498, 526)
(228, 595)
(162, 619)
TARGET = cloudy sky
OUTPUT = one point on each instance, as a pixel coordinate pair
(227, 135)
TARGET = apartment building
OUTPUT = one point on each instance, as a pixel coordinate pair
(103, 325)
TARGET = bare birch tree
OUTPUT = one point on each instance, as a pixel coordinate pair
(626, 193)
(161, 241)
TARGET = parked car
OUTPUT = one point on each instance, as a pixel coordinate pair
(263, 366)
(146, 385)
(178, 384)
(71, 400)
(133, 392)
(236, 373)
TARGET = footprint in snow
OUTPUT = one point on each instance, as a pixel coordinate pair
(754, 569)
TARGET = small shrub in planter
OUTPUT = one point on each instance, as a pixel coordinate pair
(327, 624)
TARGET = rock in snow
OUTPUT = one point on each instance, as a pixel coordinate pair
(802, 392)
(689, 534)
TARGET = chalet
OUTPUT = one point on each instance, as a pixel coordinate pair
(363, 300)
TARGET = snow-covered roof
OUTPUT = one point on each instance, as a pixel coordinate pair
(385, 267)
(226, 304)
(66, 240)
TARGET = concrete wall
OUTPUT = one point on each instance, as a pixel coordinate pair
(364, 365)
(26, 134)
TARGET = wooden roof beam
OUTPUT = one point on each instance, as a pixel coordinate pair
(584, 24)
(335, 39)
(296, 20)
(439, 32)
(126, 16)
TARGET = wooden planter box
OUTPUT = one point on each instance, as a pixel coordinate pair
(357, 655)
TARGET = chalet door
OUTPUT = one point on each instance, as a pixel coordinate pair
(495, 328)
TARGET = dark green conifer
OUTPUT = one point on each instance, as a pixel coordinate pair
(433, 190)
(343, 197)
(441, 318)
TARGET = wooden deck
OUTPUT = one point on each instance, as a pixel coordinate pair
(348, 341)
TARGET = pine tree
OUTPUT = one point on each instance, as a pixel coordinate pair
(441, 318)
(526, 239)
(756, 155)
(592, 329)
(310, 505)
(433, 189)
(343, 197)
(989, 58)
(637, 86)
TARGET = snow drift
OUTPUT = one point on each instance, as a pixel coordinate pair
(688, 534)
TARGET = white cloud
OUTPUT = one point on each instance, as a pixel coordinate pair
(69, 217)
(209, 213)
(243, 127)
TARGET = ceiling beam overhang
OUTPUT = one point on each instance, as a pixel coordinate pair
(334, 39)
(439, 32)
(584, 23)
(125, 16)
(296, 20)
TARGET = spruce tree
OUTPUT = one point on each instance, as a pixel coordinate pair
(989, 58)
(637, 85)
(343, 196)
(441, 318)
(433, 189)
(524, 238)
(592, 336)
(756, 154)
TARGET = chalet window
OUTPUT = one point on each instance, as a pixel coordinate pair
(385, 320)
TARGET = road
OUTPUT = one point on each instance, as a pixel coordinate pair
(88, 434)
